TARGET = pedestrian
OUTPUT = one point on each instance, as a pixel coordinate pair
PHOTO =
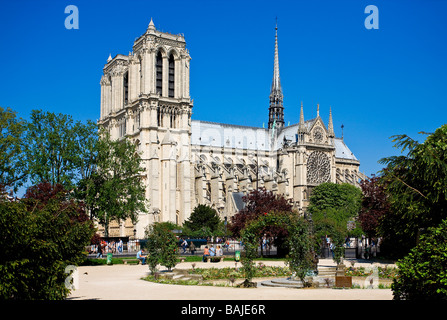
(219, 251)
(120, 246)
(100, 250)
(212, 251)
(206, 253)
(192, 247)
(184, 245)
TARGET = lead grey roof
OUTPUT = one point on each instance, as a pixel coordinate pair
(205, 133)
(237, 197)
(342, 151)
(214, 134)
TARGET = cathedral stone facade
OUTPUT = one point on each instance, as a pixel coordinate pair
(145, 97)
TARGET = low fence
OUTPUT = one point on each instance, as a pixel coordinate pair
(131, 246)
(354, 249)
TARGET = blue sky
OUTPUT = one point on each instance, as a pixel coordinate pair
(379, 83)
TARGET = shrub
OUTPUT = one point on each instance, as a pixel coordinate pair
(422, 273)
(162, 246)
(40, 238)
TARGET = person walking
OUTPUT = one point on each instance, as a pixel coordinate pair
(184, 245)
(192, 248)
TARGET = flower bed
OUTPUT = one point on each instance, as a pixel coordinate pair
(262, 271)
(383, 272)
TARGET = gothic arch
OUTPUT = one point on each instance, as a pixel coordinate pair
(162, 50)
(174, 52)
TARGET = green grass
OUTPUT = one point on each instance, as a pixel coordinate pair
(103, 261)
(261, 271)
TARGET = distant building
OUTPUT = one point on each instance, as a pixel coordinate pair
(145, 97)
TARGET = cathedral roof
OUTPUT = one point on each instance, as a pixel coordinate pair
(214, 134)
(238, 201)
(205, 133)
(342, 151)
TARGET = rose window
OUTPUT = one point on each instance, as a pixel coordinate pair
(318, 168)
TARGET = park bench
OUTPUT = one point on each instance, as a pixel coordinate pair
(125, 261)
(220, 258)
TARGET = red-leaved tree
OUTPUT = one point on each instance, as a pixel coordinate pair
(261, 202)
(374, 205)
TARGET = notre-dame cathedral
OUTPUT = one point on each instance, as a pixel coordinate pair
(145, 97)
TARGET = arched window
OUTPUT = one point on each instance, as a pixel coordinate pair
(171, 76)
(140, 72)
(126, 88)
(159, 117)
(159, 73)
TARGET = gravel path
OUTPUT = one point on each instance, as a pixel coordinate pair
(123, 282)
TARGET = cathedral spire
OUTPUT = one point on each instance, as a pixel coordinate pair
(151, 26)
(276, 83)
(302, 130)
(301, 127)
(276, 109)
(330, 126)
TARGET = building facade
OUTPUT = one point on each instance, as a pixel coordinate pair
(145, 97)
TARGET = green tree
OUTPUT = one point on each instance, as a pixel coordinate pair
(162, 246)
(422, 273)
(301, 258)
(203, 221)
(41, 235)
(115, 189)
(60, 150)
(332, 206)
(346, 198)
(416, 185)
(13, 169)
(51, 148)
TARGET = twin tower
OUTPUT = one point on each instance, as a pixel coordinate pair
(145, 97)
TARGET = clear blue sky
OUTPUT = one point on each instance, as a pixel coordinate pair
(378, 82)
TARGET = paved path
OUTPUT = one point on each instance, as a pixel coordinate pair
(123, 282)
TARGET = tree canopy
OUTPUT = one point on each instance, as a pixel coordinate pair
(115, 189)
(375, 205)
(332, 206)
(57, 148)
(416, 185)
(13, 169)
(203, 221)
(257, 203)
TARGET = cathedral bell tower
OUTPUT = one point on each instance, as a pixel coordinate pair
(276, 108)
(145, 97)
